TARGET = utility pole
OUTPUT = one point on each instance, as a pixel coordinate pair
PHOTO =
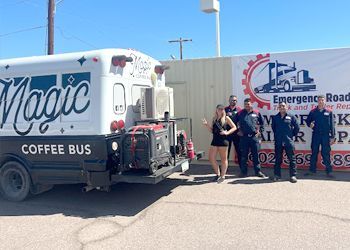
(180, 41)
(50, 27)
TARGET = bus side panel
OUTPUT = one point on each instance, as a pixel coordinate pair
(62, 159)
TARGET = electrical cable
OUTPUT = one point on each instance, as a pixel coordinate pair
(74, 37)
(23, 30)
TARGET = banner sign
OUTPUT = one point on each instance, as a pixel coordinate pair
(297, 78)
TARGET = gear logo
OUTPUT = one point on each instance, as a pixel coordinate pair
(262, 77)
(247, 80)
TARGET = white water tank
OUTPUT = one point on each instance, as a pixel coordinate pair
(210, 6)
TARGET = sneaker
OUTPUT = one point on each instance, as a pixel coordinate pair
(293, 179)
(260, 174)
(242, 175)
(275, 178)
(220, 179)
(310, 173)
(330, 176)
(215, 178)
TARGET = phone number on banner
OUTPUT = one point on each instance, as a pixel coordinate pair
(339, 159)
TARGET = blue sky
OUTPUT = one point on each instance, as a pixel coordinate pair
(247, 27)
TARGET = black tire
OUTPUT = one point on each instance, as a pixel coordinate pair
(153, 168)
(15, 181)
(266, 89)
(286, 86)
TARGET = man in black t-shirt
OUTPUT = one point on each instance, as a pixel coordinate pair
(232, 111)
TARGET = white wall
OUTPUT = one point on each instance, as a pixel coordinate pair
(199, 85)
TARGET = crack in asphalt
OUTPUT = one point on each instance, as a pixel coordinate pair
(68, 210)
(96, 218)
(141, 216)
(96, 221)
(85, 214)
(145, 212)
(345, 220)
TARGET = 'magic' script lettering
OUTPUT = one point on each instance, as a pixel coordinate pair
(19, 102)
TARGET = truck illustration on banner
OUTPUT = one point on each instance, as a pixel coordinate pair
(285, 78)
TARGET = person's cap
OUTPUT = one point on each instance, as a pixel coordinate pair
(220, 106)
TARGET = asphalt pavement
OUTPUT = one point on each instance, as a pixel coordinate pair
(185, 211)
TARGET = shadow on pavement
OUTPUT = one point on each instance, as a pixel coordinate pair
(199, 173)
(123, 200)
(128, 199)
(321, 175)
(251, 181)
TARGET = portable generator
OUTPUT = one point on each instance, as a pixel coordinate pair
(146, 147)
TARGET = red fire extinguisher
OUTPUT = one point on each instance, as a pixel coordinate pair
(190, 149)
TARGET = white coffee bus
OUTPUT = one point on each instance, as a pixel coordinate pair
(61, 118)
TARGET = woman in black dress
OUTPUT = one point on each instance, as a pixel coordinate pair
(219, 144)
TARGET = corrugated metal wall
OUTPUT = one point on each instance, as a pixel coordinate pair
(199, 85)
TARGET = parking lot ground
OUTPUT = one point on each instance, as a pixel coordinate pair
(186, 211)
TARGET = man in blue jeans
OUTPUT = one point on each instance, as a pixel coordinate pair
(285, 127)
(321, 121)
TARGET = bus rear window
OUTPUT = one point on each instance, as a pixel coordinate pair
(119, 98)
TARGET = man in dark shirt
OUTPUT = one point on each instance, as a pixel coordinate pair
(321, 121)
(284, 127)
(232, 111)
(250, 125)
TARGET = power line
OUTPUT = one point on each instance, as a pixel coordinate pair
(88, 21)
(46, 27)
(101, 29)
(70, 37)
(83, 20)
(35, 4)
(23, 30)
(11, 4)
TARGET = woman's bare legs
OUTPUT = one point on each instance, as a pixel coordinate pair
(212, 158)
(224, 162)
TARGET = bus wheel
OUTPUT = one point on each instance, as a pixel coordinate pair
(14, 181)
